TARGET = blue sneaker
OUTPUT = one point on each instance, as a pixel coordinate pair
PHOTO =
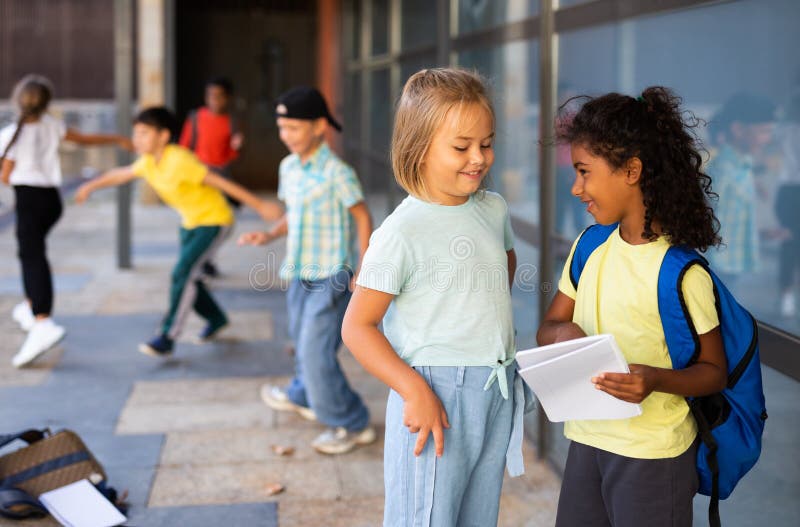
(159, 346)
(211, 331)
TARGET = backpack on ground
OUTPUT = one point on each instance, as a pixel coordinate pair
(47, 462)
(729, 423)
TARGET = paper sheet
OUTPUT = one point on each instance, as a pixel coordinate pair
(80, 504)
(560, 376)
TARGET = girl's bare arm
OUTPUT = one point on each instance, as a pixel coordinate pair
(75, 136)
(706, 376)
(423, 411)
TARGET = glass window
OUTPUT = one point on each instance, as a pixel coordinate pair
(380, 112)
(352, 107)
(712, 67)
(418, 23)
(731, 65)
(412, 65)
(570, 3)
(380, 27)
(354, 13)
(475, 15)
(512, 71)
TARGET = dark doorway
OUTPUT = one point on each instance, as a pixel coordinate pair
(264, 47)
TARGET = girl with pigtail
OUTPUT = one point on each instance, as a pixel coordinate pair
(30, 164)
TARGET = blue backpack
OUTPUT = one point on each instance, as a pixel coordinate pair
(730, 423)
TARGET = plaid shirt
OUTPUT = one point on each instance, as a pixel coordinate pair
(318, 194)
(732, 176)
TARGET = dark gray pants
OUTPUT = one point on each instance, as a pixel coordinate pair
(604, 489)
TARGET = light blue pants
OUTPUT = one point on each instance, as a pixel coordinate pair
(316, 310)
(462, 488)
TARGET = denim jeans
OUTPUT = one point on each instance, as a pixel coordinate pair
(316, 309)
(462, 488)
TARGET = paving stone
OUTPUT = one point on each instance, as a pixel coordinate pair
(244, 482)
(12, 285)
(345, 513)
(361, 478)
(189, 436)
(242, 326)
(223, 446)
(249, 515)
(194, 391)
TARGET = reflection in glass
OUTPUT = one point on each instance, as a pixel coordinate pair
(475, 15)
(380, 112)
(787, 208)
(380, 27)
(709, 65)
(410, 66)
(511, 71)
(739, 132)
(418, 23)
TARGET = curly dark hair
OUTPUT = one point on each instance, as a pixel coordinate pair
(653, 128)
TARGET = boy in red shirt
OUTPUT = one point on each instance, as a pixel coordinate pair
(211, 133)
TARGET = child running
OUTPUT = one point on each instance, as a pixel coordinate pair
(30, 164)
(637, 165)
(197, 194)
(438, 274)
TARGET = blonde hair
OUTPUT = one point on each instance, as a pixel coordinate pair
(427, 97)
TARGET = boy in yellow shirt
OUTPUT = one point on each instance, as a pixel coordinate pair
(197, 194)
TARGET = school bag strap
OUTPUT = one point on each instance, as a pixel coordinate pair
(193, 123)
(16, 504)
(29, 436)
(590, 239)
(729, 423)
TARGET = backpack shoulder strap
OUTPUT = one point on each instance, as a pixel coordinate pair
(16, 504)
(193, 121)
(683, 342)
(29, 436)
(590, 239)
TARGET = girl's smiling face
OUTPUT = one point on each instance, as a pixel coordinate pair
(460, 155)
(609, 194)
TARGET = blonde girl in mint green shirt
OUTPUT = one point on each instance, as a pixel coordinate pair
(437, 273)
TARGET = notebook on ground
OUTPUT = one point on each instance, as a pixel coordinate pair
(79, 504)
(560, 375)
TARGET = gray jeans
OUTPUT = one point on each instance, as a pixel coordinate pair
(604, 489)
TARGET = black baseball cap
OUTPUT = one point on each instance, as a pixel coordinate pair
(304, 102)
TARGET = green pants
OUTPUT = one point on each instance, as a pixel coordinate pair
(187, 290)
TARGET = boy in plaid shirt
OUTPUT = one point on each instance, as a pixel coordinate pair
(323, 197)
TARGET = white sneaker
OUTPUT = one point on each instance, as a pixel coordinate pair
(43, 335)
(788, 305)
(339, 440)
(277, 399)
(23, 315)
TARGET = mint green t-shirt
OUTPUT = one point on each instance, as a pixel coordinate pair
(448, 269)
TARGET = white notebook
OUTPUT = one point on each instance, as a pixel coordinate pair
(80, 504)
(561, 377)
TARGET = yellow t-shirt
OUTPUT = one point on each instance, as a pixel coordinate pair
(617, 294)
(177, 178)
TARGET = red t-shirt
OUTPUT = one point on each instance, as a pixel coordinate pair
(213, 142)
